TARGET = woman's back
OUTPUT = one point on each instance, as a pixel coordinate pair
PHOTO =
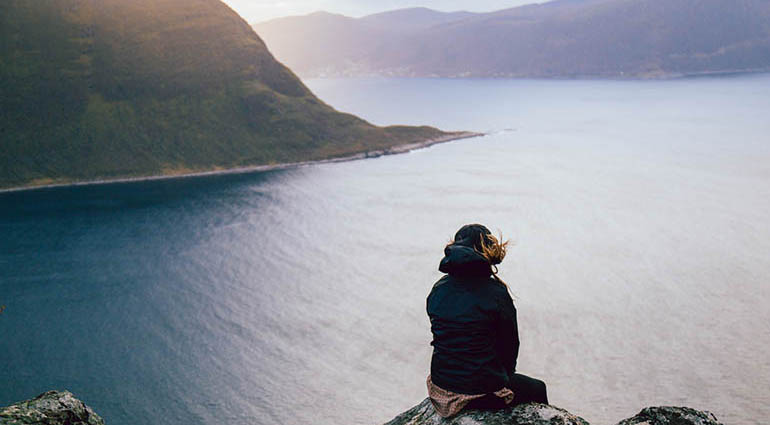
(475, 334)
(475, 337)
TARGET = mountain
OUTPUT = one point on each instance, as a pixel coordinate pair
(323, 43)
(561, 38)
(412, 19)
(105, 89)
(313, 42)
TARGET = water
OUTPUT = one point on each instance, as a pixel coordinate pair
(639, 212)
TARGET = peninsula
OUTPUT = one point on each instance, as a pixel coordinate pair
(126, 89)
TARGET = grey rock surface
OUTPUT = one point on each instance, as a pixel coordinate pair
(525, 414)
(50, 408)
(543, 414)
(668, 415)
(62, 408)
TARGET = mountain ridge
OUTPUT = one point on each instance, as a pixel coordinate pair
(557, 39)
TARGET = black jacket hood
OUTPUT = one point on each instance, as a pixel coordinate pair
(464, 261)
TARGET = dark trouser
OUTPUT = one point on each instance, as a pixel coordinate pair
(525, 390)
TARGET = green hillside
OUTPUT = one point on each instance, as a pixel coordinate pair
(100, 89)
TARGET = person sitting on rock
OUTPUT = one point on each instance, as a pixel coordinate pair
(475, 334)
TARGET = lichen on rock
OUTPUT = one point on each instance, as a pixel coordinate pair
(50, 408)
(543, 414)
(62, 408)
(669, 415)
(525, 414)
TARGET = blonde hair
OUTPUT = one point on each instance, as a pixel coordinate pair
(494, 250)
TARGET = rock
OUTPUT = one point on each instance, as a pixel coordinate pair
(543, 414)
(62, 408)
(667, 415)
(50, 408)
(525, 414)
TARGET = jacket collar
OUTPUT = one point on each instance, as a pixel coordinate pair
(464, 261)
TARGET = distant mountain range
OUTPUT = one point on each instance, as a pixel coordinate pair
(106, 89)
(561, 38)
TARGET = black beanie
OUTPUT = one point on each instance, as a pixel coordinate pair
(471, 236)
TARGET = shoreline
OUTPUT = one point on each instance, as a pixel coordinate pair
(664, 76)
(394, 150)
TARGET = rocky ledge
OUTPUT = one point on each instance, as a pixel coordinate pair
(62, 408)
(543, 414)
(50, 408)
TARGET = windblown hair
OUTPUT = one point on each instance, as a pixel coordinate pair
(494, 250)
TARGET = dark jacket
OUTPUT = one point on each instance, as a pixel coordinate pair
(473, 320)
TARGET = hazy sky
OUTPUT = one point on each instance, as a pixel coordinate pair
(260, 10)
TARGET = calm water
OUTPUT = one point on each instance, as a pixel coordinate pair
(640, 213)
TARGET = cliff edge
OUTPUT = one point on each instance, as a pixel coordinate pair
(543, 414)
(62, 408)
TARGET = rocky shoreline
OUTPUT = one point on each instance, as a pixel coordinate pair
(613, 76)
(62, 408)
(398, 149)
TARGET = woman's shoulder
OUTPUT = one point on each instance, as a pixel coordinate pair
(444, 280)
(479, 286)
(498, 292)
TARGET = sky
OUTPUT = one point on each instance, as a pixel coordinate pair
(261, 10)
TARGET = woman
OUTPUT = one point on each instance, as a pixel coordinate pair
(475, 335)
